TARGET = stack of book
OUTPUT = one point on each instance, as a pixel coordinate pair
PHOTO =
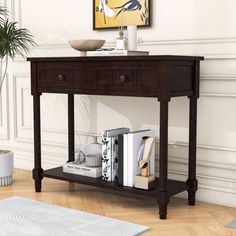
(113, 52)
(120, 153)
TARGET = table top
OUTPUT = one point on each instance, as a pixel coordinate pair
(118, 58)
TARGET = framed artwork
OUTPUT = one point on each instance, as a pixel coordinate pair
(109, 14)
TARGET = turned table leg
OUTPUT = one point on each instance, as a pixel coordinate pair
(163, 198)
(192, 181)
(37, 171)
(71, 128)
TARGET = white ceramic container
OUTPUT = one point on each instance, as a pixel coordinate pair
(6, 167)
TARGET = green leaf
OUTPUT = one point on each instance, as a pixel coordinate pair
(14, 41)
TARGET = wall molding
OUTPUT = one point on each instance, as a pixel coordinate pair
(218, 77)
(216, 189)
(180, 41)
(16, 13)
(1, 111)
(205, 164)
(5, 126)
(184, 175)
(201, 146)
(30, 151)
(219, 95)
(22, 103)
(15, 115)
(157, 42)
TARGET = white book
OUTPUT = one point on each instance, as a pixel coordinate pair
(117, 53)
(82, 169)
(125, 160)
(134, 142)
(114, 132)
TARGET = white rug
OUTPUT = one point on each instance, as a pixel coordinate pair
(24, 217)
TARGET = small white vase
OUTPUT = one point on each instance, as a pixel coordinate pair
(6, 167)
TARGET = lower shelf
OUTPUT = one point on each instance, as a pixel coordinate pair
(174, 187)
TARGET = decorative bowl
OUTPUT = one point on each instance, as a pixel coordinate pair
(85, 45)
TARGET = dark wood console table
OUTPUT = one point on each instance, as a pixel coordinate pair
(162, 77)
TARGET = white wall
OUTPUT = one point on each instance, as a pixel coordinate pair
(191, 27)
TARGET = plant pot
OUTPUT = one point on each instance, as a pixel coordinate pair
(6, 167)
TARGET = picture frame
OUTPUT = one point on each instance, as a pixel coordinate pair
(109, 14)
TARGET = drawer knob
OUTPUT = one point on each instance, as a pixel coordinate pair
(123, 78)
(61, 77)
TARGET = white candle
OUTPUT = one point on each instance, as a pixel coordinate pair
(132, 37)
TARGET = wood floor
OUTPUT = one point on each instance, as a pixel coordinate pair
(201, 220)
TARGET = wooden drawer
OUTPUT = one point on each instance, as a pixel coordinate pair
(126, 78)
(60, 76)
(148, 79)
(113, 78)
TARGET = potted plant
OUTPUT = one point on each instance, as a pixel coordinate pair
(13, 41)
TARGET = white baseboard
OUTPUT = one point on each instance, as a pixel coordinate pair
(213, 197)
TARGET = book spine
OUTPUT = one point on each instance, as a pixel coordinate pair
(120, 158)
(114, 171)
(117, 53)
(153, 160)
(130, 162)
(106, 158)
(125, 159)
(110, 153)
(83, 173)
(82, 168)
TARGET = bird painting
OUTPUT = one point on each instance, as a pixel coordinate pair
(105, 9)
(131, 5)
(114, 13)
